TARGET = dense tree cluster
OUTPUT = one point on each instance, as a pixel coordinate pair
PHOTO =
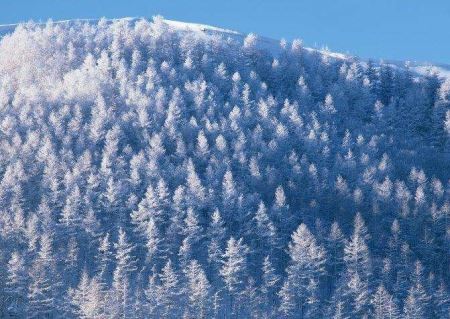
(147, 172)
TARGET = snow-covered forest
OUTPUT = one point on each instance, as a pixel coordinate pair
(152, 171)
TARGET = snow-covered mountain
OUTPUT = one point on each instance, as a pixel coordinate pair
(160, 169)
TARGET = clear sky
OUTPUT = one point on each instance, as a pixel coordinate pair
(392, 29)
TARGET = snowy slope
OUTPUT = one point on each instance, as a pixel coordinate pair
(265, 43)
(161, 169)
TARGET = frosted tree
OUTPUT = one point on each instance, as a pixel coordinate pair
(16, 286)
(151, 295)
(148, 208)
(270, 283)
(169, 291)
(194, 185)
(202, 145)
(307, 265)
(358, 269)
(192, 232)
(335, 243)
(71, 259)
(216, 235)
(125, 267)
(88, 298)
(356, 252)
(174, 117)
(416, 304)
(442, 301)
(229, 193)
(199, 290)
(104, 256)
(280, 210)
(265, 228)
(153, 241)
(234, 270)
(384, 305)
(44, 281)
(71, 213)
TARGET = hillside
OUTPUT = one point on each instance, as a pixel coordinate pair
(160, 169)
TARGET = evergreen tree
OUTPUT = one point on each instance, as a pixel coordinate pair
(16, 286)
(416, 303)
(234, 270)
(169, 292)
(270, 283)
(384, 305)
(44, 282)
(198, 290)
(357, 274)
(300, 292)
(125, 267)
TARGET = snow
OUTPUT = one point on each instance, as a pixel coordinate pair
(196, 27)
(264, 43)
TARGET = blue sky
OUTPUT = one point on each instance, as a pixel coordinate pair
(391, 29)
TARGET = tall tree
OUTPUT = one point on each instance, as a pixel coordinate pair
(42, 292)
(125, 267)
(199, 290)
(16, 286)
(300, 293)
(234, 270)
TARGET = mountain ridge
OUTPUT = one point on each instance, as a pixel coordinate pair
(273, 45)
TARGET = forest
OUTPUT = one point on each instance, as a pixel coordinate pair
(150, 172)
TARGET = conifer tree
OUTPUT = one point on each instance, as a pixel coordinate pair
(199, 290)
(306, 267)
(384, 305)
(125, 267)
(16, 286)
(234, 270)
(44, 281)
(169, 291)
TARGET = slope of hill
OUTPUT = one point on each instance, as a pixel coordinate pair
(159, 169)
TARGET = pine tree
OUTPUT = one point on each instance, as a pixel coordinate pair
(125, 267)
(71, 260)
(358, 270)
(194, 186)
(153, 242)
(383, 304)
(147, 208)
(198, 290)
(44, 282)
(88, 298)
(104, 256)
(306, 267)
(442, 301)
(71, 213)
(169, 292)
(417, 301)
(335, 243)
(264, 226)
(356, 252)
(152, 295)
(216, 235)
(16, 286)
(79, 297)
(234, 270)
(270, 283)
(192, 232)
